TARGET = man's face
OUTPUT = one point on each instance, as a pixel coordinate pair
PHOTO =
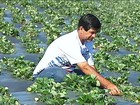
(88, 35)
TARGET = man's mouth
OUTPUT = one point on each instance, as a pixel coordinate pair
(90, 38)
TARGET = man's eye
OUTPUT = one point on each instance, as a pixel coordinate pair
(92, 32)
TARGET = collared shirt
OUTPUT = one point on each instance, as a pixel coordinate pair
(66, 51)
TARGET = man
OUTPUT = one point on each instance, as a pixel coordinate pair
(73, 50)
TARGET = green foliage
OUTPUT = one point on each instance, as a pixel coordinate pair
(6, 47)
(118, 24)
(85, 89)
(6, 98)
(130, 92)
(31, 45)
(120, 30)
(8, 29)
(19, 67)
(117, 63)
(123, 79)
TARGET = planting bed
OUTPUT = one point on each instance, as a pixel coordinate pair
(28, 26)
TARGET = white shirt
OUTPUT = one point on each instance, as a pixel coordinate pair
(66, 51)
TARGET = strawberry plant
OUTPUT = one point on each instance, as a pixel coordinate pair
(6, 98)
(17, 14)
(19, 67)
(117, 46)
(8, 29)
(6, 46)
(31, 45)
(30, 30)
(117, 63)
(85, 89)
(130, 92)
(2, 14)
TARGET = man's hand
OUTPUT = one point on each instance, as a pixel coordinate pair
(114, 90)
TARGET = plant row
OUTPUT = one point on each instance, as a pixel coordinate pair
(6, 98)
(18, 66)
(81, 90)
(49, 17)
(74, 90)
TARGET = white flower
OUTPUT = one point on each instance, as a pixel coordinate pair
(36, 99)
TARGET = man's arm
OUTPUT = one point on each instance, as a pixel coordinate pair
(87, 69)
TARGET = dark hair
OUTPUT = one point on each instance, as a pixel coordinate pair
(89, 21)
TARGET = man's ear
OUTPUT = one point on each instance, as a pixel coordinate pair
(81, 28)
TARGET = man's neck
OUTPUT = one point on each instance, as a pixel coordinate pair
(80, 37)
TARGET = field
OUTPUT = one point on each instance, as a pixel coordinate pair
(27, 27)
